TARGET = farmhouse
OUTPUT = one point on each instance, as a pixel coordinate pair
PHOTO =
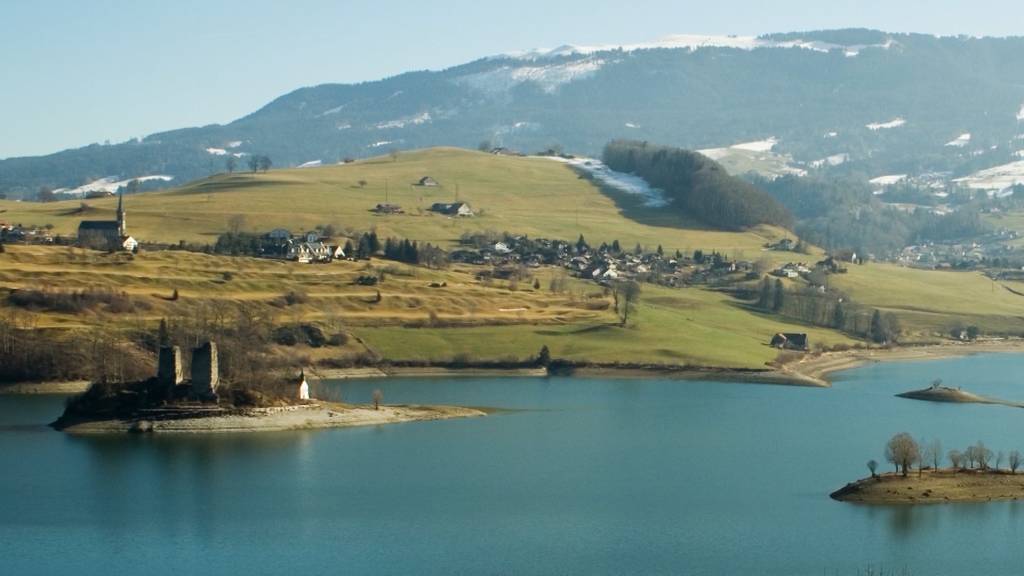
(790, 341)
(452, 209)
(388, 209)
(427, 181)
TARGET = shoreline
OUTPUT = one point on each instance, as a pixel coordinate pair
(313, 416)
(809, 370)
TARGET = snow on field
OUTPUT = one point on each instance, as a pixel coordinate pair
(216, 151)
(110, 184)
(888, 180)
(996, 178)
(345, 126)
(695, 42)
(832, 134)
(628, 183)
(310, 164)
(960, 141)
(418, 119)
(1019, 153)
(381, 143)
(755, 146)
(894, 123)
(549, 78)
(833, 160)
(632, 125)
(234, 144)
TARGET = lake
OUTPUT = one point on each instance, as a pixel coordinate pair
(579, 476)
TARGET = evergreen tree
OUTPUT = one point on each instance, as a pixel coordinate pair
(764, 299)
(163, 336)
(779, 299)
(544, 357)
(879, 332)
(638, 250)
(616, 248)
(839, 316)
(374, 242)
(581, 244)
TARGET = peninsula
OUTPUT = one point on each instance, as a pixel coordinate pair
(169, 403)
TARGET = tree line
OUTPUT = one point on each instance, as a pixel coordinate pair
(829, 309)
(904, 452)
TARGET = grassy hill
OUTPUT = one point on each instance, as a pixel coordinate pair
(465, 318)
(533, 196)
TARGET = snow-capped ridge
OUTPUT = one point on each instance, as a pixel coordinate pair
(694, 42)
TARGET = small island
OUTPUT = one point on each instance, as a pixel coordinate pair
(974, 475)
(939, 393)
(170, 403)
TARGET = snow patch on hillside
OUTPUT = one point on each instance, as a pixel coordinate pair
(894, 123)
(996, 178)
(888, 180)
(334, 110)
(548, 78)
(632, 125)
(1020, 115)
(422, 118)
(381, 143)
(765, 145)
(627, 183)
(234, 144)
(109, 185)
(694, 42)
(310, 164)
(833, 160)
(960, 141)
(216, 151)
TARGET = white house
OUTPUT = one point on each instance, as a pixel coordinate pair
(303, 386)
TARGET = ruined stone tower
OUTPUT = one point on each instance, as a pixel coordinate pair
(205, 377)
(168, 370)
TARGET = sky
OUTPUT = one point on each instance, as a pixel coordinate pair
(75, 72)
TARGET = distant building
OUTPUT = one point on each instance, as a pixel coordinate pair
(790, 341)
(388, 209)
(427, 181)
(303, 386)
(107, 234)
(452, 209)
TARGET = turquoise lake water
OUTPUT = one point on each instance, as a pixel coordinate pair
(584, 476)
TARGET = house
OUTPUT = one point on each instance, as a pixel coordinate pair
(306, 252)
(388, 209)
(427, 181)
(452, 209)
(107, 234)
(790, 341)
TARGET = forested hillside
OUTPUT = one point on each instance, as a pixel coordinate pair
(698, 186)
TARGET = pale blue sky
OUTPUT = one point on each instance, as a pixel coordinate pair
(80, 71)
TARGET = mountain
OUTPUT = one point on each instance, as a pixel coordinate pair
(846, 100)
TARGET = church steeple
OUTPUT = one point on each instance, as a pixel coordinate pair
(121, 227)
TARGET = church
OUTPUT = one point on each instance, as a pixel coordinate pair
(107, 234)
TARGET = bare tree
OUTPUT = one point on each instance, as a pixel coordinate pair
(873, 466)
(933, 453)
(982, 455)
(378, 397)
(956, 459)
(1000, 456)
(1014, 461)
(626, 295)
(230, 162)
(236, 223)
(902, 451)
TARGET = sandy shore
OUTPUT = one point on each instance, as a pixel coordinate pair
(69, 387)
(940, 486)
(818, 367)
(312, 416)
